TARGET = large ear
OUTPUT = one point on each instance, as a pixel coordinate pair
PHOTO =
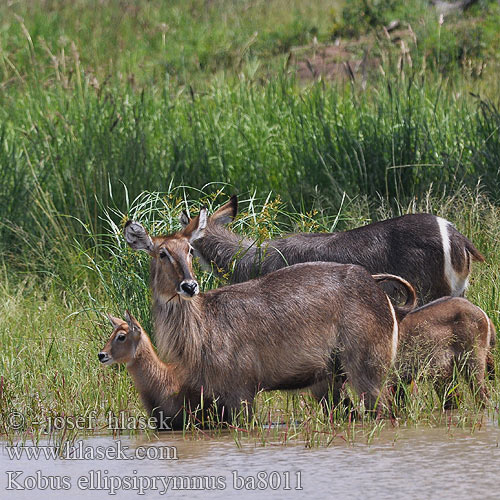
(196, 227)
(134, 327)
(184, 219)
(115, 321)
(137, 237)
(227, 212)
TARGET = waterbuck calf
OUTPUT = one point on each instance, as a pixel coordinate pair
(162, 386)
(285, 330)
(447, 334)
(424, 249)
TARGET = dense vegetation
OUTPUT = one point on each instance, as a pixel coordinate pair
(108, 108)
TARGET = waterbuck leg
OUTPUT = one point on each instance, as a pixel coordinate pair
(367, 377)
(476, 368)
(328, 392)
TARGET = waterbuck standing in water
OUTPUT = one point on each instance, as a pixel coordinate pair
(445, 335)
(164, 388)
(286, 330)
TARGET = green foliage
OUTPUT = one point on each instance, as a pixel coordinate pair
(51, 334)
(361, 16)
(70, 153)
(151, 42)
(456, 43)
(108, 108)
(468, 43)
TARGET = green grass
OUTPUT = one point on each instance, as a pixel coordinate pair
(51, 332)
(305, 144)
(107, 109)
(146, 43)
(75, 123)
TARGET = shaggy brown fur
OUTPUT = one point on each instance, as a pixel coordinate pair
(424, 249)
(447, 333)
(285, 330)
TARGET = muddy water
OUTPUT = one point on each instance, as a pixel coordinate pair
(407, 463)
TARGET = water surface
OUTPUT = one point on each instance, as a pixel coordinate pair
(403, 463)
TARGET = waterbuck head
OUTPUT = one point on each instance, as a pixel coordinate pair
(122, 345)
(224, 215)
(171, 257)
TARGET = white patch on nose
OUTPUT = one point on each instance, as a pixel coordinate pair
(456, 282)
(107, 360)
(188, 295)
(395, 331)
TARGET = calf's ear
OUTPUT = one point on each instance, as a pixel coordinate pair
(134, 328)
(115, 322)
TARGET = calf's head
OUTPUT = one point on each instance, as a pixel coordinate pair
(122, 345)
(171, 257)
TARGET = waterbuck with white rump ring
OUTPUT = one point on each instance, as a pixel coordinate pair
(424, 249)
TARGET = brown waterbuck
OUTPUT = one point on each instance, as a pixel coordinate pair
(424, 249)
(285, 330)
(163, 387)
(445, 335)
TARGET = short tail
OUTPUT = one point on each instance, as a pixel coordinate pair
(473, 251)
(411, 296)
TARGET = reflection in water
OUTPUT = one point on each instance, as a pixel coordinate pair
(403, 463)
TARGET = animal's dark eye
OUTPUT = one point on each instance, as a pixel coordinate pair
(121, 337)
(163, 253)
